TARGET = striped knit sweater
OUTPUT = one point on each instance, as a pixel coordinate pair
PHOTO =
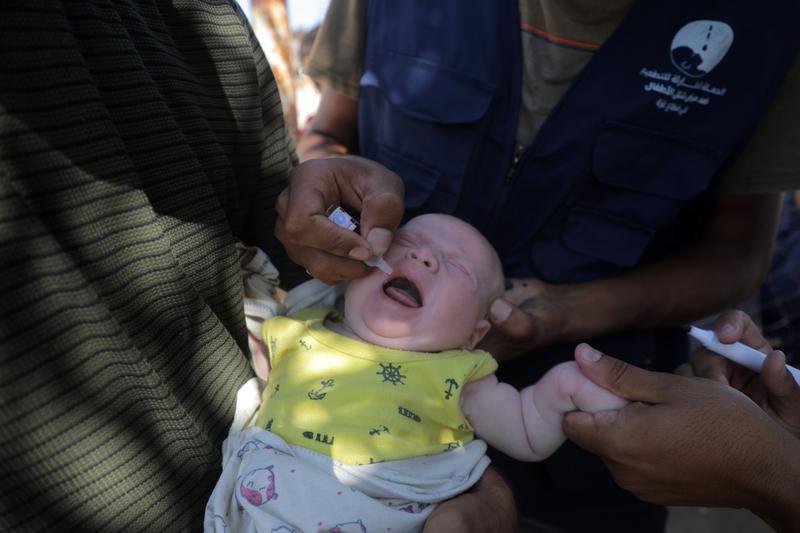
(138, 140)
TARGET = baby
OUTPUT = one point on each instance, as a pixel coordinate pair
(370, 418)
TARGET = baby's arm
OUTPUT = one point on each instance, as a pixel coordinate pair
(526, 424)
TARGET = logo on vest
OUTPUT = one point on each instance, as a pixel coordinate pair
(696, 50)
(699, 46)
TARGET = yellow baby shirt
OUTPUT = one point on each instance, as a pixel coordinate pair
(361, 403)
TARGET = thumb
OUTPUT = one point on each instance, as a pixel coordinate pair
(510, 319)
(592, 432)
(379, 192)
(782, 387)
(621, 378)
(380, 215)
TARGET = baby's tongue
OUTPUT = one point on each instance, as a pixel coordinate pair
(401, 296)
(403, 291)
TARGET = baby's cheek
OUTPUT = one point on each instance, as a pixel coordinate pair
(470, 301)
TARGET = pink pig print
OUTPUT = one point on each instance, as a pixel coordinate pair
(258, 486)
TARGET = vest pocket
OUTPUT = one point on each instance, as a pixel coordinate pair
(604, 236)
(585, 246)
(420, 180)
(651, 162)
(424, 121)
(642, 180)
(428, 91)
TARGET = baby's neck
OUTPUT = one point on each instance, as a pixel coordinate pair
(342, 328)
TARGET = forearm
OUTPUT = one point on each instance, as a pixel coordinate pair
(543, 405)
(510, 420)
(542, 415)
(488, 507)
(720, 270)
(317, 144)
(334, 129)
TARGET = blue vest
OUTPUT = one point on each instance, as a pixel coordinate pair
(619, 174)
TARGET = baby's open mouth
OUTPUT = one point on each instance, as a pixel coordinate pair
(403, 291)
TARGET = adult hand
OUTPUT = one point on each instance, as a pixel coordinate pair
(692, 442)
(774, 389)
(528, 316)
(325, 250)
(487, 507)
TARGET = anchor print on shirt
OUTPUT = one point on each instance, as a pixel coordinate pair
(276, 391)
(319, 394)
(378, 430)
(451, 385)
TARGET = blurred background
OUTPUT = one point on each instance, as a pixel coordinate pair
(286, 29)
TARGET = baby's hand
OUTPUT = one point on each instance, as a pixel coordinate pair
(259, 355)
(587, 395)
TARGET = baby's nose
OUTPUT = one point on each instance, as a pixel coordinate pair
(425, 257)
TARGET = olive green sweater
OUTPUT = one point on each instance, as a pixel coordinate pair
(138, 140)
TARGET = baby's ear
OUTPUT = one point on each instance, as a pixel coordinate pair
(481, 329)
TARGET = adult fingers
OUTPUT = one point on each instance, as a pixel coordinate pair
(319, 263)
(374, 191)
(621, 378)
(783, 391)
(521, 290)
(317, 232)
(777, 378)
(596, 433)
(685, 370)
(327, 251)
(358, 185)
(327, 267)
(707, 364)
(733, 326)
(302, 221)
(511, 320)
(380, 215)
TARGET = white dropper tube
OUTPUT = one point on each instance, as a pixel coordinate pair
(379, 262)
(342, 218)
(737, 352)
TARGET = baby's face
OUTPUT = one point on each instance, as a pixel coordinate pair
(445, 274)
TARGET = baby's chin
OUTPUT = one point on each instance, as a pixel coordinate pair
(398, 339)
(396, 336)
(389, 333)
